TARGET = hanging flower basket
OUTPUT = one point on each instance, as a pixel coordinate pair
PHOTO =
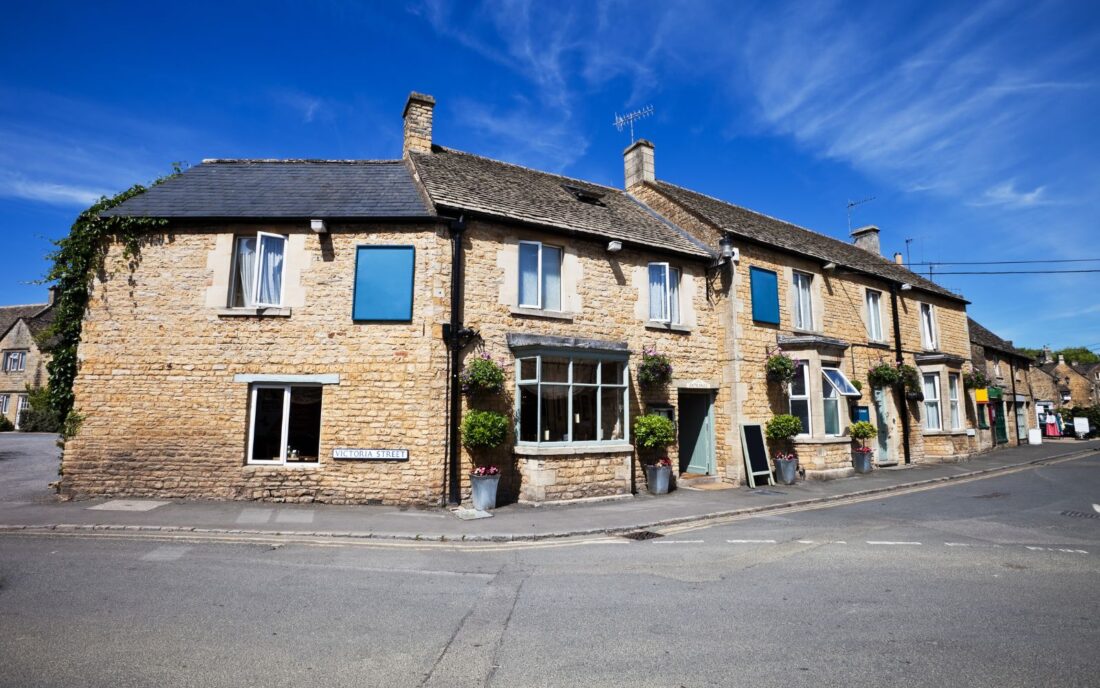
(975, 379)
(482, 376)
(910, 380)
(655, 370)
(780, 368)
(883, 375)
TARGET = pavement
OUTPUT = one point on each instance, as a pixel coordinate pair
(28, 463)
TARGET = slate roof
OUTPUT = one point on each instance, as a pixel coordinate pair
(40, 323)
(9, 315)
(754, 226)
(344, 189)
(470, 183)
(983, 337)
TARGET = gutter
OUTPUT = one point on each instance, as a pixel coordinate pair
(899, 357)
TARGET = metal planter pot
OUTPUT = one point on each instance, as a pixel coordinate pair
(786, 472)
(483, 491)
(861, 461)
(657, 478)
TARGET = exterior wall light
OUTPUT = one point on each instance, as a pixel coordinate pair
(318, 226)
(614, 246)
(726, 251)
(906, 286)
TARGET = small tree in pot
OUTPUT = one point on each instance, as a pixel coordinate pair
(484, 430)
(781, 429)
(655, 432)
(861, 455)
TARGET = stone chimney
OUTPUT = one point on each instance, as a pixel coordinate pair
(867, 239)
(898, 258)
(1046, 355)
(418, 123)
(52, 297)
(638, 163)
(1061, 359)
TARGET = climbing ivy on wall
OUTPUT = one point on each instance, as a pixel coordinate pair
(77, 260)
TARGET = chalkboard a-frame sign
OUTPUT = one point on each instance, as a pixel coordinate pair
(756, 455)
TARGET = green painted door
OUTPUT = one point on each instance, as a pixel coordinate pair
(696, 433)
(999, 422)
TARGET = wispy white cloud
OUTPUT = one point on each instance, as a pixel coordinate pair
(47, 192)
(1006, 194)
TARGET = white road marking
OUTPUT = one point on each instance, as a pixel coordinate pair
(751, 542)
(1096, 508)
(958, 544)
(890, 542)
(166, 553)
(805, 542)
(1056, 549)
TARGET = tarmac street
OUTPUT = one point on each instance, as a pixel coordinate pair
(989, 582)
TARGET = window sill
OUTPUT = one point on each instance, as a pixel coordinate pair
(254, 313)
(570, 449)
(294, 465)
(877, 344)
(667, 327)
(813, 333)
(539, 313)
(944, 433)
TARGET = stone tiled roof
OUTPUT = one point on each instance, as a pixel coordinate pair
(983, 337)
(754, 226)
(39, 324)
(470, 183)
(9, 315)
(344, 189)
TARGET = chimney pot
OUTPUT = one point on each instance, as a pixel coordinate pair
(1061, 359)
(898, 259)
(418, 123)
(866, 238)
(638, 163)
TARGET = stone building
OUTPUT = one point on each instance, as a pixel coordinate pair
(1004, 411)
(839, 309)
(24, 353)
(296, 330)
(1068, 384)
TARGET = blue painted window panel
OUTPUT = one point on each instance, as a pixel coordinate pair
(383, 283)
(765, 295)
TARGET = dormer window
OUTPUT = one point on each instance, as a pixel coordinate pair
(589, 196)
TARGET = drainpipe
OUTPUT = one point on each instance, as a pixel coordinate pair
(456, 341)
(903, 403)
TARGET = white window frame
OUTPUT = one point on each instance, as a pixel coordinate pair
(284, 430)
(22, 405)
(803, 307)
(953, 398)
(671, 293)
(791, 397)
(538, 277)
(5, 401)
(929, 337)
(874, 315)
(623, 385)
(256, 303)
(997, 366)
(929, 403)
(12, 357)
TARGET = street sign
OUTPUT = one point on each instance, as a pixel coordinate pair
(371, 454)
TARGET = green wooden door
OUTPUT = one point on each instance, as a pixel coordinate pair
(696, 433)
(999, 422)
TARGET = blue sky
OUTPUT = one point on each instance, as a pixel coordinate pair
(974, 126)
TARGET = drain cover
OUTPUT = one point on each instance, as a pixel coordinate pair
(1079, 514)
(641, 535)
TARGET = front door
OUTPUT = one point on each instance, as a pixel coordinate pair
(882, 422)
(696, 433)
(999, 422)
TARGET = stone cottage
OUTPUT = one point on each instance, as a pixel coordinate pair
(24, 353)
(297, 329)
(1005, 410)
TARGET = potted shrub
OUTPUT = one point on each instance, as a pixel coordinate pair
(883, 375)
(482, 376)
(910, 380)
(484, 430)
(781, 429)
(655, 370)
(861, 455)
(779, 367)
(5, 424)
(655, 432)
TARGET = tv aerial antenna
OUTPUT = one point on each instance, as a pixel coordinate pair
(853, 204)
(623, 121)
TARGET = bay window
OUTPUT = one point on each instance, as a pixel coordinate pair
(953, 398)
(539, 276)
(798, 392)
(664, 293)
(874, 315)
(928, 327)
(803, 301)
(258, 266)
(932, 419)
(565, 398)
(284, 425)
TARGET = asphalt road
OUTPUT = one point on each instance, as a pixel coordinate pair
(990, 582)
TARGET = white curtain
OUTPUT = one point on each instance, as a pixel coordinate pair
(658, 290)
(246, 272)
(272, 250)
(551, 278)
(529, 275)
(674, 295)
